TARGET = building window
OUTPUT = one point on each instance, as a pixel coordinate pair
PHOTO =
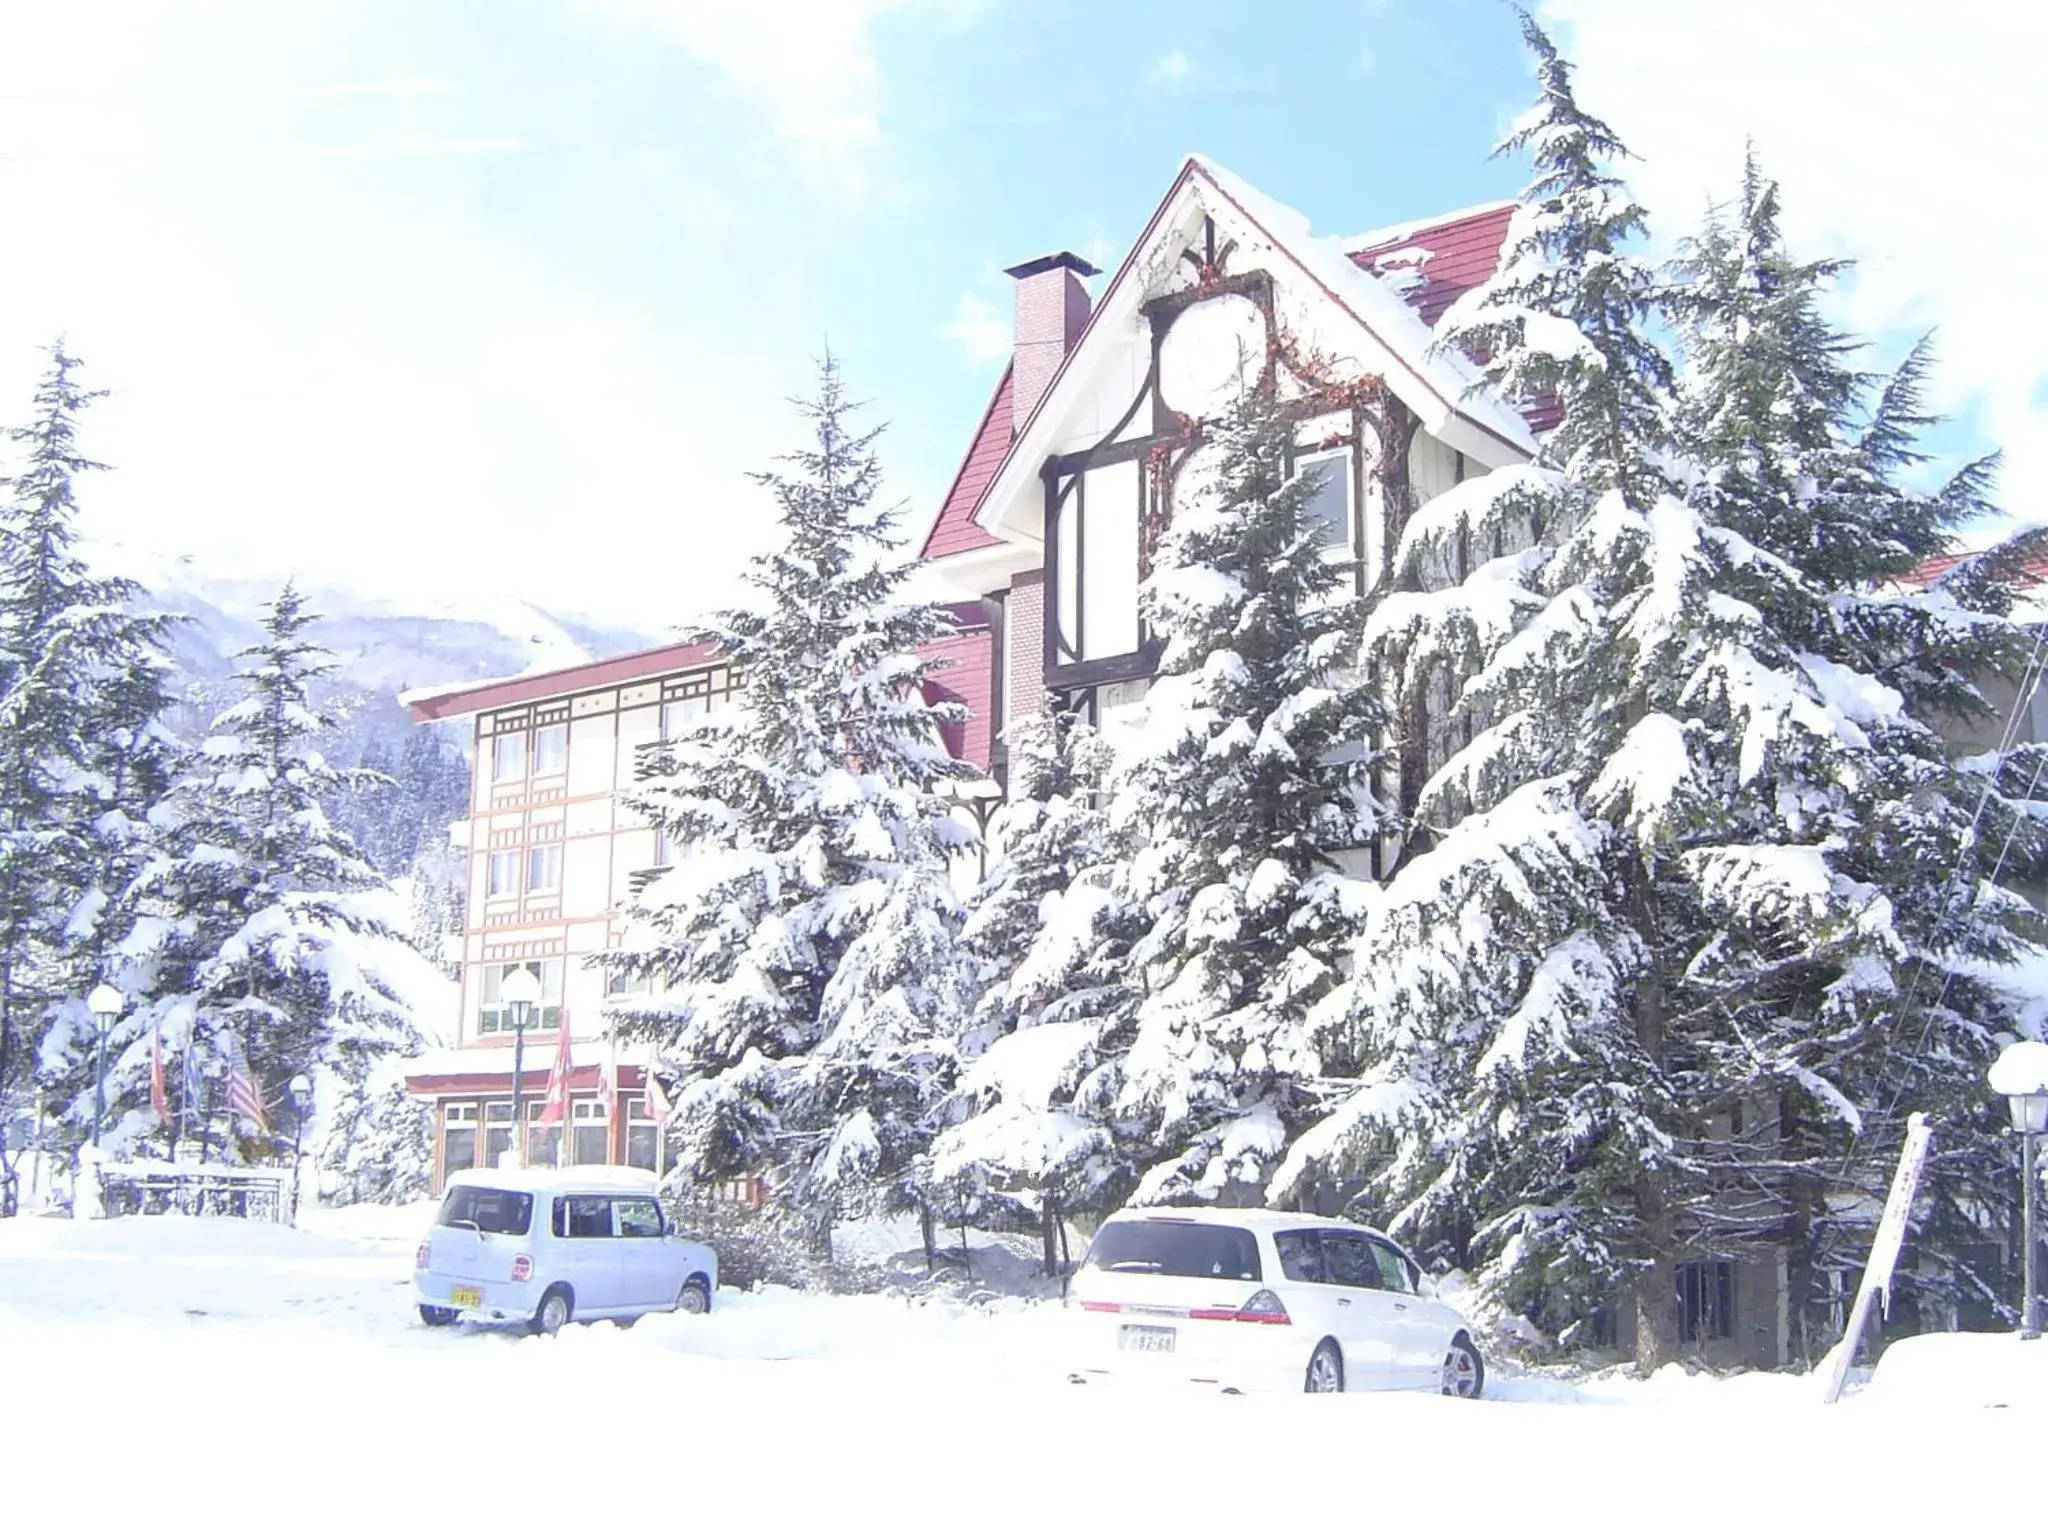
(678, 715)
(508, 756)
(551, 749)
(544, 867)
(502, 877)
(664, 848)
(494, 1015)
(543, 1142)
(458, 1137)
(642, 1134)
(693, 698)
(590, 1140)
(1328, 510)
(497, 1133)
(1706, 1300)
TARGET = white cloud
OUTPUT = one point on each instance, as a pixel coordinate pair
(809, 64)
(1907, 137)
(332, 362)
(983, 332)
(1170, 69)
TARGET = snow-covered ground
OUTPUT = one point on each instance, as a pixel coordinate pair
(173, 1371)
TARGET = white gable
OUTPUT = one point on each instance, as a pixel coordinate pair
(1345, 316)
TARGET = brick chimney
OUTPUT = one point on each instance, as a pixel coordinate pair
(1052, 306)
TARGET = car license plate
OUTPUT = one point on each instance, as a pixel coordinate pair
(1146, 1341)
(465, 1296)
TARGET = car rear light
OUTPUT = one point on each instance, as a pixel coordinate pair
(1102, 1306)
(1264, 1307)
(424, 1256)
(522, 1269)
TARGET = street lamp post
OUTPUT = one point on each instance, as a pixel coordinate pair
(2021, 1075)
(302, 1102)
(105, 1004)
(520, 992)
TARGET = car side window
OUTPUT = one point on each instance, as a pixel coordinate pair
(1301, 1256)
(1351, 1261)
(638, 1217)
(584, 1216)
(1394, 1275)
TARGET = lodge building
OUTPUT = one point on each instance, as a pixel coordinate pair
(1090, 438)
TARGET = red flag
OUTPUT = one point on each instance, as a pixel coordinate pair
(555, 1107)
(158, 1099)
(657, 1106)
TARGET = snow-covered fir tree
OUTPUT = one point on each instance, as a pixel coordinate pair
(807, 988)
(1655, 945)
(1049, 980)
(82, 761)
(1807, 459)
(1244, 779)
(279, 936)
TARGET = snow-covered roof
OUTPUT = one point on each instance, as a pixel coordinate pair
(592, 1176)
(1448, 379)
(448, 701)
(1408, 229)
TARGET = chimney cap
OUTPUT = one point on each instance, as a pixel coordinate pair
(1065, 259)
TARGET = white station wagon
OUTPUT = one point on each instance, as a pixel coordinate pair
(1274, 1300)
(547, 1247)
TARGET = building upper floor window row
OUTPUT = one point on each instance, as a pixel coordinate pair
(541, 865)
(544, 750)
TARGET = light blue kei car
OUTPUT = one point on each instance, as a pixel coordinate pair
(547, 1247)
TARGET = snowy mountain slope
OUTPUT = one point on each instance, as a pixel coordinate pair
(412, 636)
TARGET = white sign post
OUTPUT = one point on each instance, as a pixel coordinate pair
(1884, 1251)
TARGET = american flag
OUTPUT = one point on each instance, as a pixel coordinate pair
(245, 1095)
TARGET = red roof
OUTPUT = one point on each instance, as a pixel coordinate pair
(954, 530)
(1932, 569)
(967, 676)
(1464, 250)
(470, 698)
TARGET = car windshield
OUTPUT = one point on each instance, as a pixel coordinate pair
(1188, 1249)
(504, 1211)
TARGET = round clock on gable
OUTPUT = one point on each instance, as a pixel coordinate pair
(1210, 352)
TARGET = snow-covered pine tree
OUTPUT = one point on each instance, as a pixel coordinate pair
(806, 985)
(81, 761)
(1806, 459)
(280, 934)
(1036, 1080)
(1645, 943)
(1241, 784)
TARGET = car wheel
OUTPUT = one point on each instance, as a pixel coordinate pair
(696, 1296)
(1325, 1369)
(437, 1317)
(1464, 1371)
(552, 1315)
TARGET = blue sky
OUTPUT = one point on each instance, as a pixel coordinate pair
(465, 294)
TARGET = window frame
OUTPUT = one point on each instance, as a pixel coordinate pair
(557, 732)
(1705, 1300)
(513, 739)
(1345, 550)
(549, 853)
(494, 889)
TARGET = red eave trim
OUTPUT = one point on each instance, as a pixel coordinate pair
(455, 1084)
(544, 685)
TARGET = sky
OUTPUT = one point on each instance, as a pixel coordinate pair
(509, 296)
